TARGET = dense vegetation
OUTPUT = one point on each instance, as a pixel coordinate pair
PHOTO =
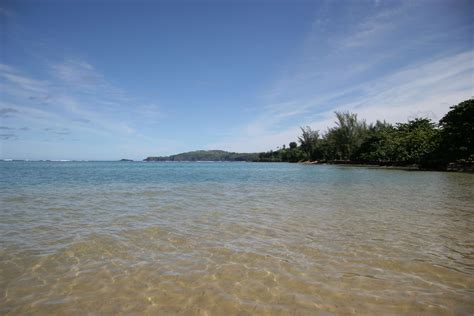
(419, 141)
(207, 155)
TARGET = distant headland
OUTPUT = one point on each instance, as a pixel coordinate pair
(207, 155)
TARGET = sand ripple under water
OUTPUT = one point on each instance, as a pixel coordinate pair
(234, 239)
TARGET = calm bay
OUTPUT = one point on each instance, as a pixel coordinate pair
(227, 238)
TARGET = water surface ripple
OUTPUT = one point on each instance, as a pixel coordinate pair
(233, 238)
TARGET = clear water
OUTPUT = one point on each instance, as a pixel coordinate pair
(233, 238)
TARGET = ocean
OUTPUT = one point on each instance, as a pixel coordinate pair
(137, 238)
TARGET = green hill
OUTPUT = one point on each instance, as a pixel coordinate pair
(207, 155)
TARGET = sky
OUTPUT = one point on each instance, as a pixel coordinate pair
(105, 80)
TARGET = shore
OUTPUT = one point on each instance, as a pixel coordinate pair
(451, 167)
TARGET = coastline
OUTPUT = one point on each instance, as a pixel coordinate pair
(467, 167)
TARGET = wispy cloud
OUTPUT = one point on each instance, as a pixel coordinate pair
(374, 63)
(78, 72)
(423, 89)
(27, 85)
(58, 131)
(7, 112)
(82, 120)
(8, 136)
(80, 77)
(73, 102)
(376, 26)
(382, 60)
(77, 95)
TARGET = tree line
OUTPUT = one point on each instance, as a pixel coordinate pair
(419, 141)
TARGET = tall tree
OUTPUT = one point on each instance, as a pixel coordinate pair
(457, 135)
(309, 141)
(348, 134)
(377, 146)
(414, 141)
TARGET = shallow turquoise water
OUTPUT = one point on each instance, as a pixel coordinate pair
(213, 238)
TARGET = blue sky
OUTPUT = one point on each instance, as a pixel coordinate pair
(121, 79)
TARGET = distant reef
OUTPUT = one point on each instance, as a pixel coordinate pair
(125, 159)
(207, 155)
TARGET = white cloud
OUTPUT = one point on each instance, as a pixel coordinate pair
(72, 101)
(424, 89)
(74, 95)
(376, 26)
(340, 70)
(79, 73)
(23, 83)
